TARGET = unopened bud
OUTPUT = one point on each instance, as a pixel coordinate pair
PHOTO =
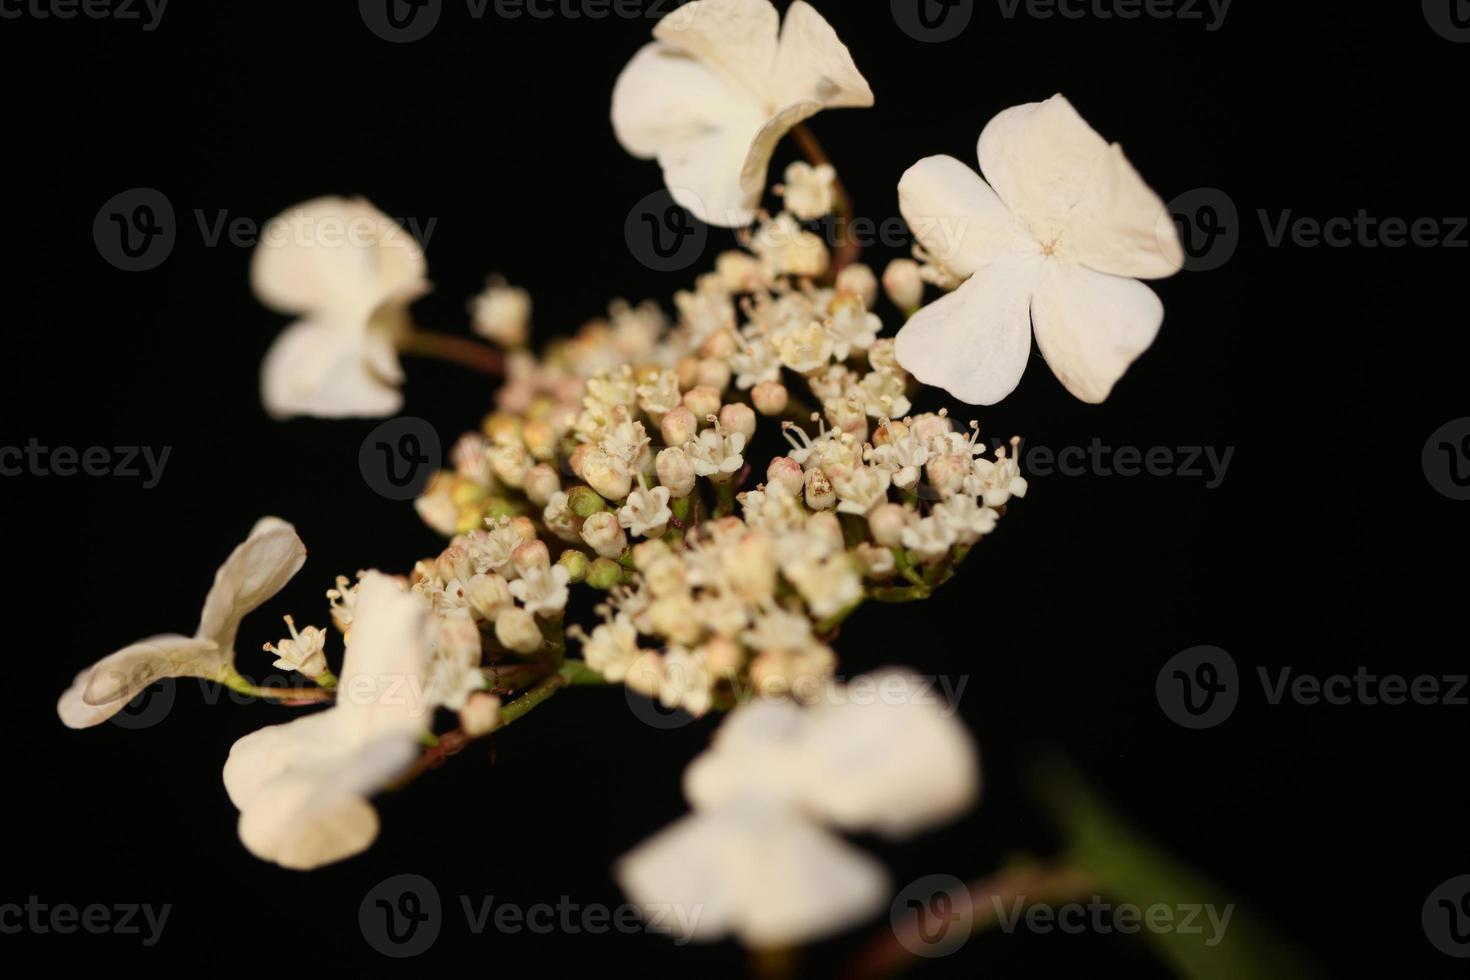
(860, 281)
(769, 397)
(480, 714)
(575, 562)
(583, 501)
(819, 492)
(488, 594)
(604, 573)
(530, 555)
(517, 631)
(540, 483)
(702, 400)
(604, 534)
(738, 417)
(675, 472)
(678, 426)
(787, 472)
(887, 522)
(903, 284)
(608, 474)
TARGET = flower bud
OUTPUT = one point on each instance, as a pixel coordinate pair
(859, 280)
(480, 714)
(454, 563)
(877, 563)
(947, 473)
(675, 472)
(887, 522)
(686, 369)
(502, 314)
(524, 527)
(787, 472)
(487, 595)
(738, 417)
(769, 397)
(719, 345)
(517, 631)
(530, 555)
(678, 426)
(713, 373)
(540, 483)
(578, 456)
(604, 534)
(583, 501)
(502, 428)
(903, 284)
(541, 439)
(723, 657)
(604, 573)
(702, 400)
(819, 492)
(608, 474)
(575, 562)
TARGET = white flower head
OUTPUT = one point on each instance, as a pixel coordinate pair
(255, 571)
(810, 192)
(349, 272)
(719, 87)
(302, 787)
(502, 313)
(1058, 238)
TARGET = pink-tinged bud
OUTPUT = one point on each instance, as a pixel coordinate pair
(675, 472)
(517, 631)
(887, 522)
(720, 345)
(927, 428)
(480, 714)
(903, 284)
(578, 455)
(787, 472)
(524, 527)
(540, 483)
(607, 474)
(454, 563)
(488, 595)
(678, 426)
(605, 535)
(739, 417)
(819, 492)
(860, 281)
(530, 555)
(769, 397)
(947, 473)
(688, 370)
(713, 373)
(702, 400)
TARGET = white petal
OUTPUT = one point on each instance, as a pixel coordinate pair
(1090, 326)
(664, 98)
(752, 754)
(255, 571)
(334, 254)
(1121, 226)
(886, 755)
(813, 64)
(957, 217)
(974, 342)
(384, 673)
(1039, 158)
(735, 37)
(323, 368)
(266, 753)
(105, 688)
(706, 174)
(769, 877)
(758, 159)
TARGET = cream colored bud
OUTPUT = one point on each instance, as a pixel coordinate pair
(541, 439)
(859, 280)
(487, 595)
(787, 472)
(678, 426)
(516, 630)
(524, 527)
(578, 455)
(510, 464)
(675, 471)
(887, 522)
(713, 373)
(720, 344)
(540, 483)
(819, 492)
(530, 555)
(480, 714)
(878, 563)
(769, 397)
(604, 534)
(607, 474)
(947, 473)
(702, 400)
(503, 314)
(903, 284)
(687, 368)
(846, 415)
(738, 417)
(454, 563)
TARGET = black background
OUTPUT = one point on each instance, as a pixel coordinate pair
(1324, 549)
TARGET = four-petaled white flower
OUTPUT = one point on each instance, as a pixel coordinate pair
(302, 787)
(1059, 237)
(647, 512)
(349, 272)
(542, 588)
(879, 755)
(255, 571)
(719, 87)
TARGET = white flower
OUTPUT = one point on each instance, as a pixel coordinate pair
(997, 481)
(810, 192)
(502, 313)
(716, 454)
(685, 682)
(542, 588)
(303, 651)
(255, 571)
(904, 457)
(930, 538)
(754, 859)
(301, 787)
(647, 513)
(862, 490)
(349, 272)
(968, 520)
(716, 91)
(1058, 237)
(613, 649)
